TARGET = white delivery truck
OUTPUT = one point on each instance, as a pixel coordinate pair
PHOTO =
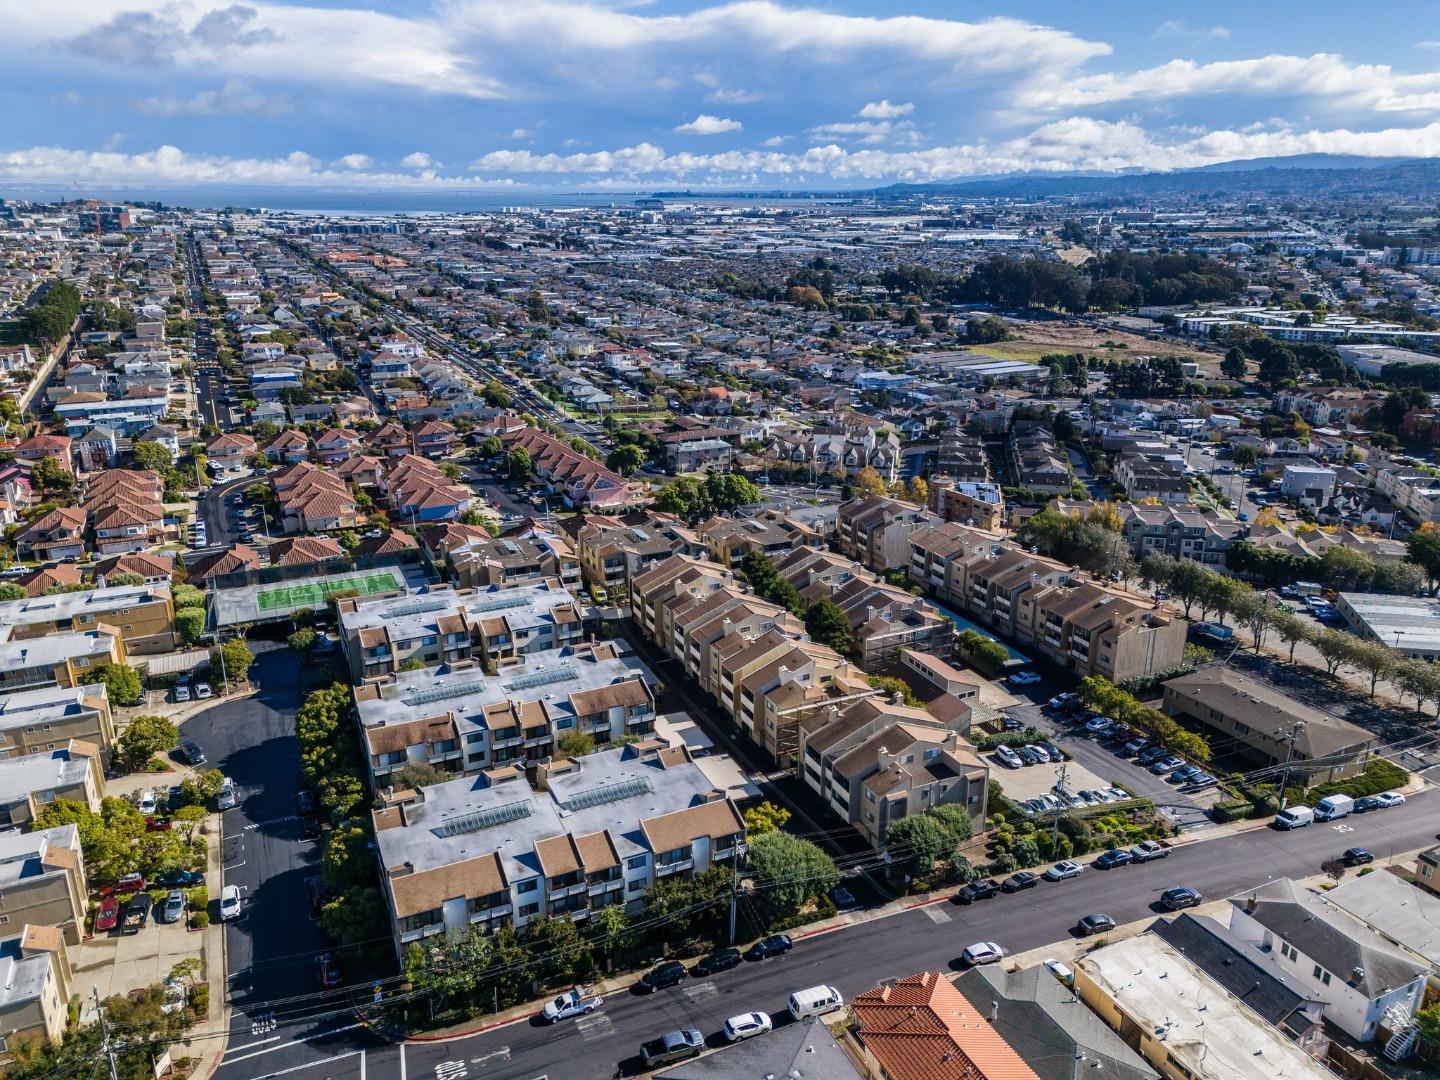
(1294, 817)
(1334, 806)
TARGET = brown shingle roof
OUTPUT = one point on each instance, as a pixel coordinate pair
(674, 830)
(429, 889)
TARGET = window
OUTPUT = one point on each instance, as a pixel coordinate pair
(1241, 729)
(638, 885)
(1321, 974)
(527, 910)
(635, 862)
(527, 886)
(475, 737)
(1287, 951)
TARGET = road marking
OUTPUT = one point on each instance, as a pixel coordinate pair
(263, 1023)
(362, 1065)
(272, 821)
(1342, 828)
(402, 1061)
(260, 1042)
(310, 1064)
(936, 914)
(503, 1054)
(296, 1042)
(451, 1070)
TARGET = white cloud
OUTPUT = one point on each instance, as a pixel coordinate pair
(418, 160)
(1427, 44)
(233, 99)
(883, 110)
(777, 140)
(355, 161)
(705, 124)
(870, 132)
(733, 97)
(519, 133)
(1179, 28)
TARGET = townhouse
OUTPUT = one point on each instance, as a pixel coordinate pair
(54, 535)
(312, 499)
(143, 615)
(584, 483)
(45, 447)
(483, 561)
(612, 551)
(458, 719)
(42, 881)
(433, 438)
(44, 719)
(442, 625)
(416, 489)
(729, 539)
(55, 660)
(336, 444)
(1152, 476)
(875, 530)
(38, 981)
(1415, 491)
(29, 784)
(126, 509)
(1036, 460)
(488, 851)
(1181, 531)
(1328, 408)
(230, 449)
(288, 447)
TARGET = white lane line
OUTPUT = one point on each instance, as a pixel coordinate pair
(310, 1064)
(402, 1061)
(503, 1054)
(362, 1065)
(296, 1042)
(259, 1042)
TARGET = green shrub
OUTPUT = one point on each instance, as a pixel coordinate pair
(1008, 738)
(1232, 810)
(1380, 775)
(1004, 864)
(199, 920)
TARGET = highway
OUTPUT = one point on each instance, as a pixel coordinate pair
(852, 959)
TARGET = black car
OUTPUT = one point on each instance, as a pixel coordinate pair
(718, 961)
(1357, 856)
(1097, 923)
(191, 754)
(978, 890)
(305, 801)
(1366, 804)
(181, 879)
(310, 827)
(1178, 898)
(766, 947)
(1114, 857)
(1023, 879)
(670, 973)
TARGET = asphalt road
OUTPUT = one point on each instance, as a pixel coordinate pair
(852, 959)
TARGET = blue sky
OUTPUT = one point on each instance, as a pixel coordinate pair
(478, 95)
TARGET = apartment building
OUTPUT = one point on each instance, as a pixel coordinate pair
(1269, 727)
(1036, 460)
(29, 784)
(728, 539)
(36, 982)
(143, 614)
(1415, 492)
(977, 504)
(877, 761)
(1181, 531)
(42, 880)
(613, 551)
(443, 624)
(481, 562)
(1153, 476)
(56, 660)
(875, 530)
(1327, 408)
(487, 851)
(1358, 974)
(457, 718)
(45, 719)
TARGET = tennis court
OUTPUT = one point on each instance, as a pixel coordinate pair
(293, 597)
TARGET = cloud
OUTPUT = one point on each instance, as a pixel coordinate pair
(139, 37)
(733, 97)
(864, 131)
(519, 133)
(233, 99)
(1179, 28)
(704, 124)
(1427, 44)
(418, 160)
(883, 110)
(777, 140)
(355, 161)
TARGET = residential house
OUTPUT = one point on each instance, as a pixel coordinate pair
(337, 444)
(142, 614)
(56, 660)
(29, 784)
(43, 447)
(37, 982)
(288, 447)
(56, 534)
(433, 438)
(977, 504)
(37, 721)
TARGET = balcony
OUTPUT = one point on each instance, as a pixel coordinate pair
(498, 744)
(665, 869)
(537, 740)
(733, 848)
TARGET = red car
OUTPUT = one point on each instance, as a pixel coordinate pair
(329, 971)
(108, 915)
(130, 883)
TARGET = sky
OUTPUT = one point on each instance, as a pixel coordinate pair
(558, 95)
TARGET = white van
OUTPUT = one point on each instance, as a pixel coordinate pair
(226, 798)
(1334, 806)
(816, 1001)
(1294, 817)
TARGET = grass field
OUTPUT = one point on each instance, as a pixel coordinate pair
(1038, 339)
(293, 597)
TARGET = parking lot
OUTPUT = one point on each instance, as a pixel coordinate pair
(116, 963)
(1032, 781)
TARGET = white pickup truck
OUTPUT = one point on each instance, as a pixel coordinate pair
(576, 1002)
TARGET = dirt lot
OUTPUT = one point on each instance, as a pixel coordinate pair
(1037, 339)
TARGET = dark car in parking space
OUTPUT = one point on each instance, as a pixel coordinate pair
(305, 801)
(1357, 856)
(181, 879)
(1181, 897)
(1022, 879)
(670, 973)
(1112, 858)
(1366, 804)
(1097, 923)
(978, 890)
(718, 961)
(766, 947)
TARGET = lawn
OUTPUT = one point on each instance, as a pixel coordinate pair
(293, 597)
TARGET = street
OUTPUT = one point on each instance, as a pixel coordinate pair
(852, 959)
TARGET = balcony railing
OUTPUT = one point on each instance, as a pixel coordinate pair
(666, 869)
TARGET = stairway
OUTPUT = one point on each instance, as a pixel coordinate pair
(1402, 1041)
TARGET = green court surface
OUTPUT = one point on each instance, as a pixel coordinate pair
(293, 597)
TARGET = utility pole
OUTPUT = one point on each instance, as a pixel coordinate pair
(1289, 753)
(734, 892)
(106, 1047)
(1055, 824)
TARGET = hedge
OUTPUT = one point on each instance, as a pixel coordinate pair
(1008, 738)
(1380, 774)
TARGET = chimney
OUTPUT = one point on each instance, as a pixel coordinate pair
(783, 676)
(883, 757)
(994, 1011)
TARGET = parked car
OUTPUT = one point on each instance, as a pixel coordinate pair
(1062, 702)
(1166, 764)
(1050, 748)
(1180, 897)
(672, 1046)
(181, 879)
(329, 971)
(1041, 755)
(978, 890)
(1112, 858)
(718, 961)
(1063, 871)
(1202, 780)
(107, 915)
(1184, 774)
(1367, 803)
(1009, 758)
(1098, 923)
(1149, 850)
(576, 1002)
(1030, 756)
(1098, 725)
(229, 902)
(670, 973)
(174, 907)
(1355, 856)
(746, 1026)
(766, 947)
(191, 754)
(982, 952)
(1023, 678)
(1147, 756)
(1133, 747)
(137, 914)
(1021, 879)
(305, 801)
(203, 691)
(182, 694)
(1389, 798)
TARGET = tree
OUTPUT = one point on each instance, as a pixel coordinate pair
(914, 843)
(354, 916)
(190, 624)
(954, 818)
(982, 651)
(144, 738)
(450, 965)
(1423, 549)
(491, 446)
(765, 818)
(576, 743)
(1291, 628)
(1345, 568)
(612, 927)
(302, 640)
(625, 459)
(452, 471)
(1418, 677)
(233, 659)
(918, 491)
(347, 859)
(1374, 659)
(417, 775)
(1428, 1020)
(789, 872)
(896, 688)
(730, 491)
(188, 819)
(153, 456)
(1335, 648)
(12, 591)
(518, 465)
(1245, 455)
(495, 395)
(49, 475)
(867, 482)
(685, 497)
(827, 623)
(1233, 366)
(122, 683)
